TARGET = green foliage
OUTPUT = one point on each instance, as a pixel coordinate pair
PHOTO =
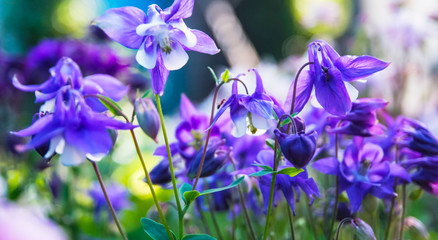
(154, 230)
(198, 237)
(114, 108)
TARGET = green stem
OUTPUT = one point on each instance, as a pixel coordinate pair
(140, 157)
(203, 219)
(402, 222)
(268, 215)
(172, 172)
(116, 220)
(391, 209)
(291, 222)
(340, 226)
(311, 220)
(213, 217)
(335, 209)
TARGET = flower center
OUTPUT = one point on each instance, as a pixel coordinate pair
(364, 166)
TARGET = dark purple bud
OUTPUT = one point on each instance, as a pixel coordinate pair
(161, 173)
(297, 148)
(417, 137)
(363, 230)
(147, 117)
(215, 157)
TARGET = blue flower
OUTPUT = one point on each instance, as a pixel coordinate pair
(330, 75)
(161, 37)
(415, 136)
(297, 148)
(117, 194)
(74, 130)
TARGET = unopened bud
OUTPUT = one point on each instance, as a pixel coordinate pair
(297, 148)
(416, 229)
(147, 117)
(363, 230)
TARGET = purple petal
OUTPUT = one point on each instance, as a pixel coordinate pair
(328, 165)
(42, 138)
(238, 115)
(183, 132)
(356, 67)
(111, 86)
(120, 24)
(182, 34)
(332, 54)
(36, 127)
(331, 93)
(356, 193)
(187, 109)
(159, 76)
(25, 88)
(398, 171)
(303, 91)
(259, 81)
(176, 58)
(379, 173)
(204, 43)
(179, 9)
(224, 107)
(91, 140)
(147, 54)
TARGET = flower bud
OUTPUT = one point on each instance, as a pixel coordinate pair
(147, 117)
(297, 148)
(215, 158)
(363, 230)
(161, 173)
(416, 229)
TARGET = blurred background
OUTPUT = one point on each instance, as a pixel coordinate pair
(269, 35)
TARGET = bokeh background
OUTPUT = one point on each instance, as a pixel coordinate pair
(269, 35)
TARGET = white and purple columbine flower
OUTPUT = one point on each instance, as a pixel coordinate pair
(258, 107)
(161, 37)
(330, 75)
(74, 130)
(363, 171)
(67, 72)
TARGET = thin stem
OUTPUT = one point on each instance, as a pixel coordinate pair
(140, 157)
(201, 164)
(172, 172)
(116, 220)
(340, 226)
(213, 217)
(203, 219)
(335, 209)
(311, 220)
(391, 209)
(291, 222)
(271, 197)
(233, 218)
(402, 222)
(242, 201)
(295, 87)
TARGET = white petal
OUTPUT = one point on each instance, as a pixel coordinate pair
(54, 145)
(260, 122)
(240, 127)
(142, 29)
(176, 58)
(95, 157)
(190, 39)
(147, 57)
(72, 156)
(48, 106)
(352, 91)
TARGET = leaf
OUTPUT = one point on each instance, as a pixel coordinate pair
(265, 167)
(113, 110)
(271, 143)
(148, 94)
(188, 195)
(284, 122)
(275, 115)
(261, 173)
(198, 237)
(233, 184)
(291, 171)
(155, 230)
(214, 75)
(225, 75)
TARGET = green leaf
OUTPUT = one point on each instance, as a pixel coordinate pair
(155, 230)
(148, 94)
(214, 76)
(271, 143)
(233, 184)
(113, 110)
(291, 171)
(198, 237)
(284, 122)
(225, 75)
(275, 115)
(261, 173)
(188, 195)
(416, 194)
(265, 167)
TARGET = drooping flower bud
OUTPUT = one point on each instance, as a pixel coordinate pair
(147, 117)
(363, 230)
(215, 157)
(297, 148)
(416, 229)
(161, 173)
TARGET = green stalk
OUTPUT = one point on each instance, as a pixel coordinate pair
(116, 220)
(402, 222)
(391, 210)
(172, 172)
(291, 222)
(335, 210)
(268, 215)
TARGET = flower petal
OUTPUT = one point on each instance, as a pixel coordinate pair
(120, 25)
(176, 58)
(72, 156)
(328, 165)
(110, 86)
(159, 76)
(187, 109)
(356, 67)
(182, 34)
(303, 92)
(179, 9)
(147, 53)
(204, 43)
(332, 94)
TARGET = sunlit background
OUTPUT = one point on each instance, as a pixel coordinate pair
(269, 35)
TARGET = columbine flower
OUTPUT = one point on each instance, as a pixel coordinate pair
(147, 117)
(362, 172)
(361, 120)
(414, 135)
(297, 148)
(216, 156)
(74, 130)
(67, 72)
(257, 107)
(424, 172)
(330, 74)
(161, 37)
(288, 185)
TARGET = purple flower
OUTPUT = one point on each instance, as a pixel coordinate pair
(161, 37)
(116, 193)
(361, 120)
(297, 148)
(286, 184)
(147, 117)
(74, 130)
(424, 172)
(161, 173)
(216, 157)
(331, 74)
(362, 172)
(414, 135)
(67, 72)
(257, 107)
